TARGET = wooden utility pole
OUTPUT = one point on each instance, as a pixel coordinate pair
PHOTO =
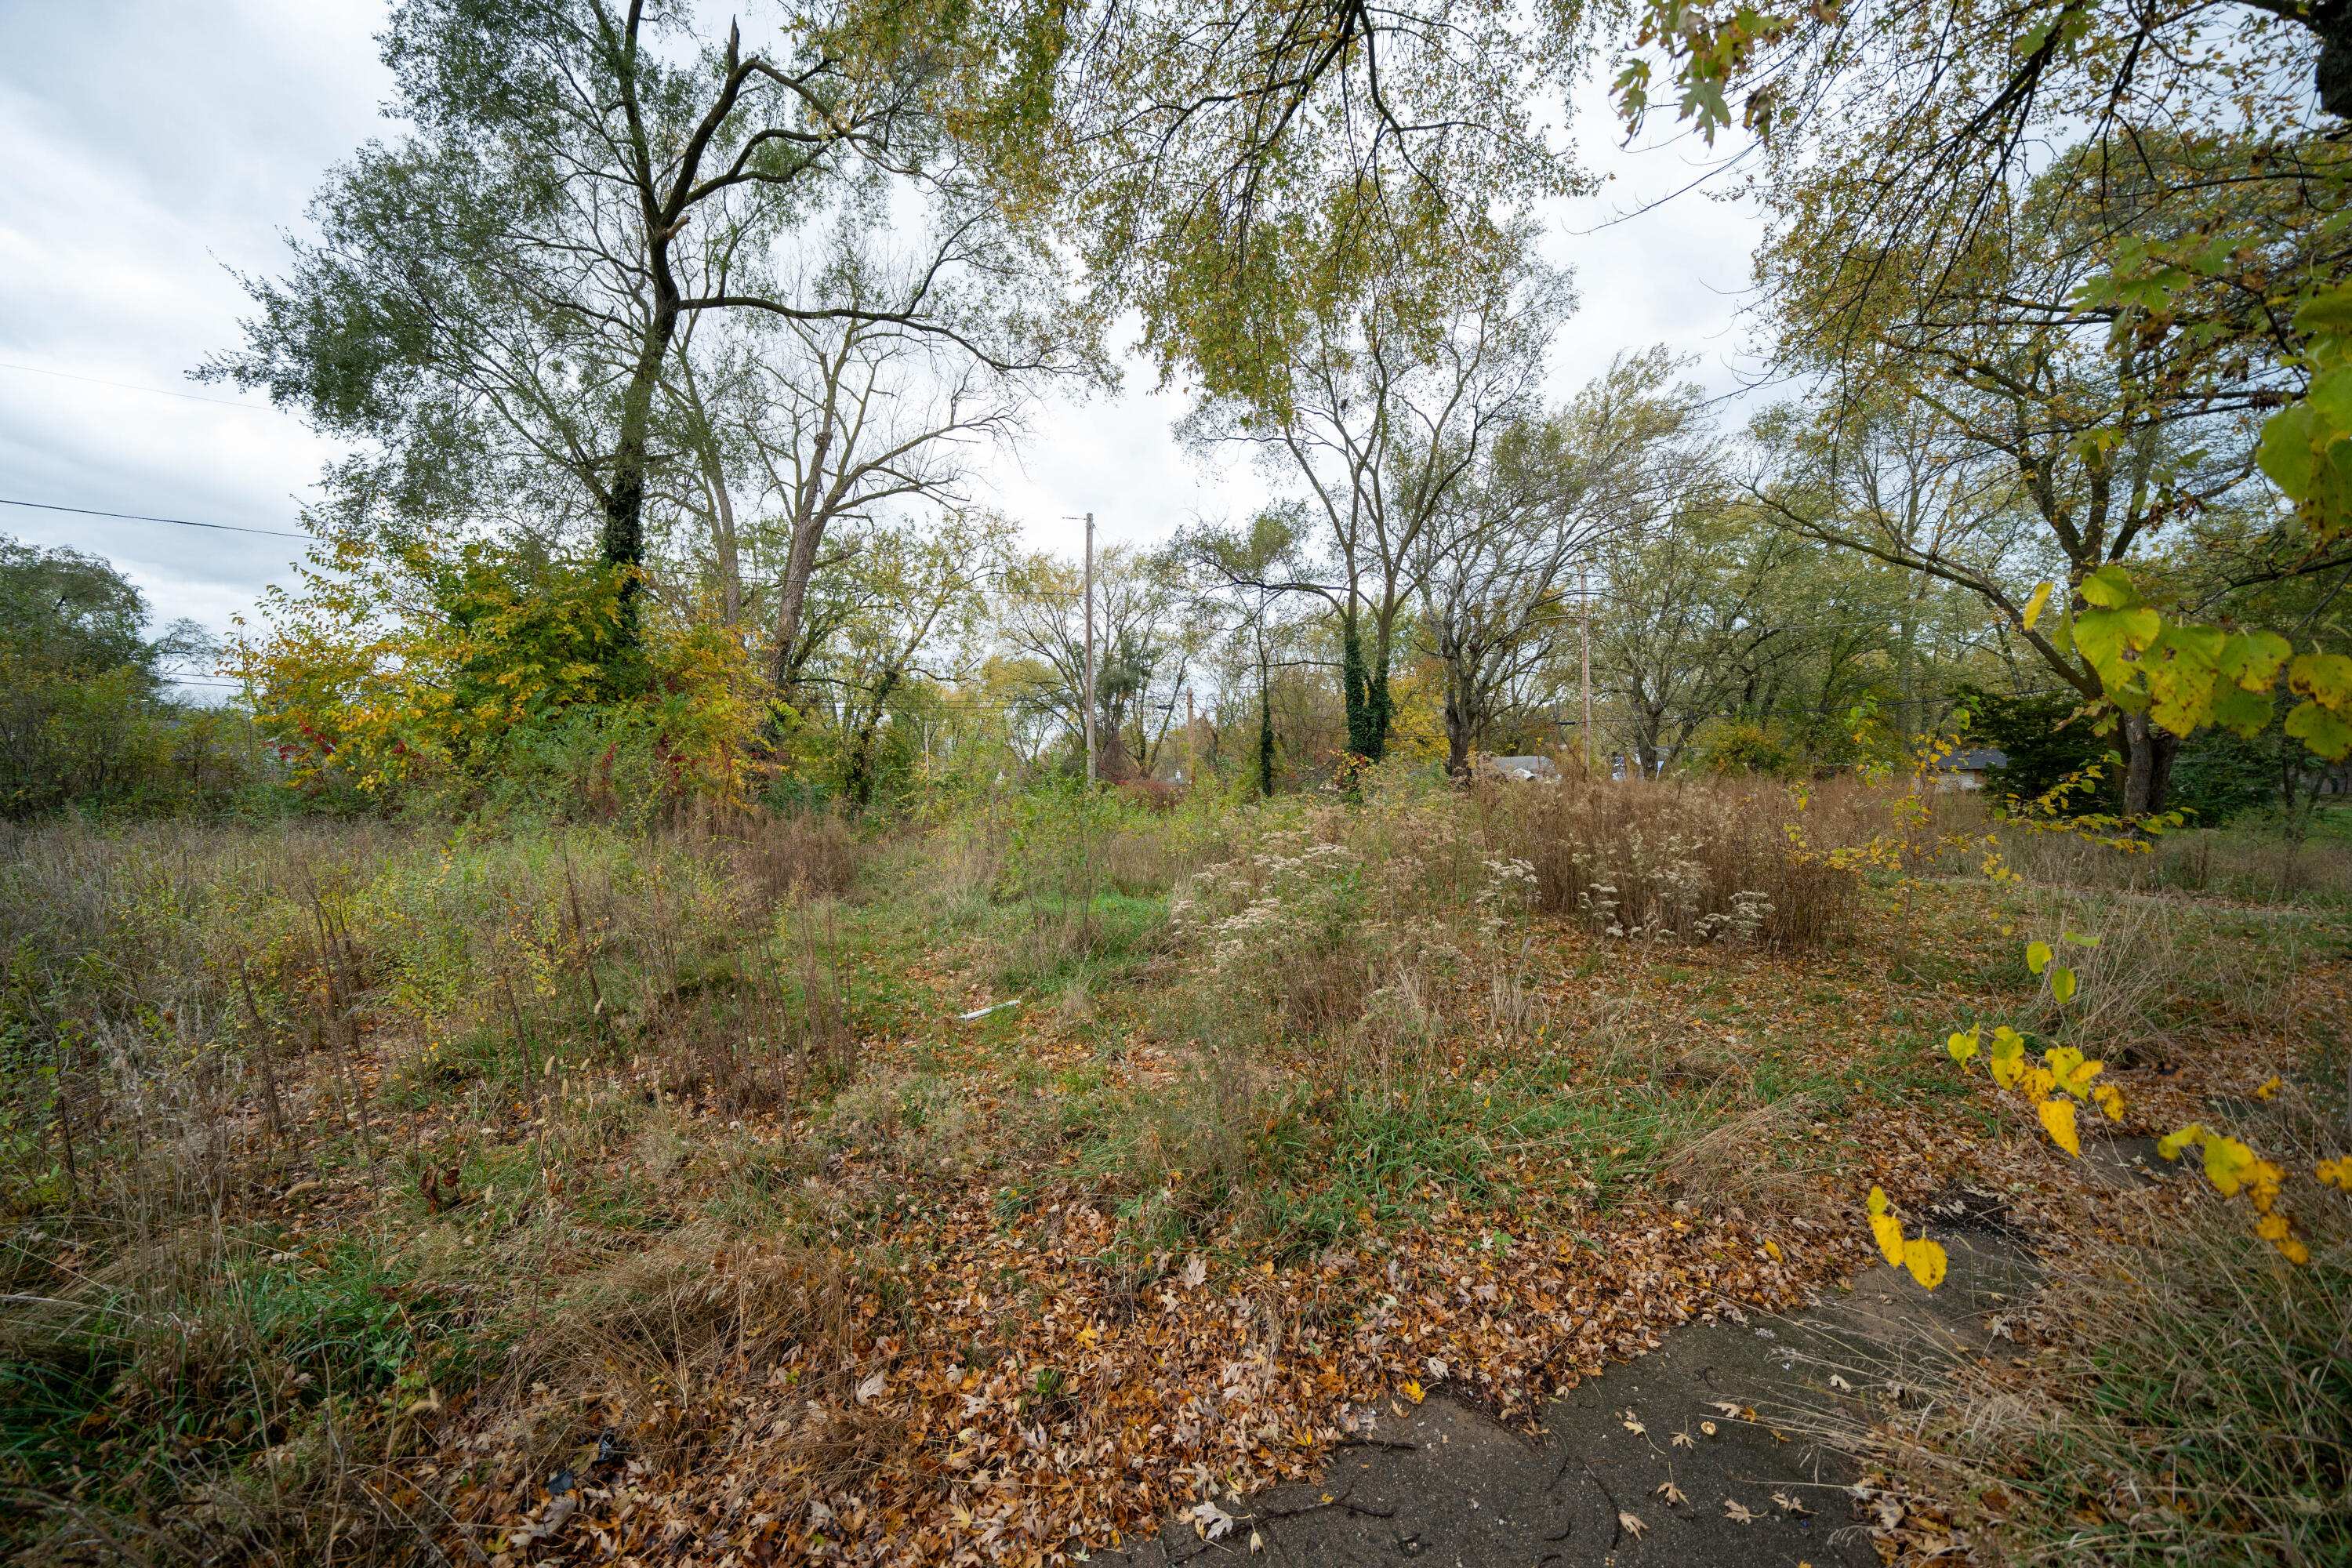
(1190, 767)
(1585, 600)
(1090, 647)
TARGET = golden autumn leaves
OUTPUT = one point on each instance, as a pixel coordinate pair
(2061, 1082)
(1924, 1259)
(2232, 1167)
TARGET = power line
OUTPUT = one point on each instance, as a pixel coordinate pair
(141, 517)
(135, 386)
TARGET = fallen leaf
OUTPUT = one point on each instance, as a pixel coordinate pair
(1196, 1273)
(1731, 1411)
(1839, 1384)
(1413, 1391)
(1682, 1440)
(1926, 1260)
(1736, 1514)
(1209, 1522)
(1630, 1525)
(1791, 1505)
(871, 1387)
(1632, 1422)
(1672, 1493)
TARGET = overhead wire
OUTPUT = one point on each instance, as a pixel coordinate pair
(135, 386)
(144, 517)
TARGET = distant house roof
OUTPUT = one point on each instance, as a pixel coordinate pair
(1976, 761)
(1524, 767)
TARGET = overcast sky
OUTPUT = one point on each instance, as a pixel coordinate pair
(157, 147)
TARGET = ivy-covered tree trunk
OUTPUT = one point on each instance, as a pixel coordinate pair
(1264, 739)
(857, 775)
(1364, 688)
(624, 541)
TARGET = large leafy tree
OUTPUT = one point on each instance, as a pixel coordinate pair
(82, 685)
(1235, 170)
(495, 298)
(2020, 381)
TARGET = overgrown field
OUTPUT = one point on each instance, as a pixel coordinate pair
(414, 1193)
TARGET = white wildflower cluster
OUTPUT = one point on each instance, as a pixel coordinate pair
(1250, 905)
(1740, 922)
(1654, 889)
(1509, 891)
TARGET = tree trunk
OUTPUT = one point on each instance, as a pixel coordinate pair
(625, 503)
(730, 570)
(2332, 73)
(1352, 682)
(1265, 737)
(1377, 707)
(809, 521)
(857, 782)
(1458, 726)
(2148, 752)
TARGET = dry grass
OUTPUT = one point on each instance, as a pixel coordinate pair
(2236, 863)
(226, 1025)
(2194, 1404)
(1692, 859)
(1363, 1010)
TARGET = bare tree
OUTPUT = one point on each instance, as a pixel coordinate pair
(1381, 422)
(1151, 634)
(1497, 564)
(804, 425)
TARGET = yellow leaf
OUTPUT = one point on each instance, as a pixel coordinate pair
(1963, 1047)
(2269, 1088)
(1926, 1260)
(2035, 606)
(2336, 1172)
(2228, 1163)
(1878, 1200)
(1413, 1391)
(2037, 956)
(2058, 1120)
(2061, 983)
(1774, 1250)
(2172, 1144)
(2110, 1101)
(2274, 1227)
(1890, 1237)
(2038, 1082)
